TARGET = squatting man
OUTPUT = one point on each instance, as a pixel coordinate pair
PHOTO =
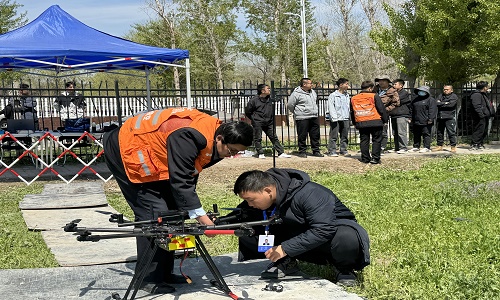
(317, 227)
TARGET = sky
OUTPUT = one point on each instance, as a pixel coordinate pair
(114, 17)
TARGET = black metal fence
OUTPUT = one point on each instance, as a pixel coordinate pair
(108, 102)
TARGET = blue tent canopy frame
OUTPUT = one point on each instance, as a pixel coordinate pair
(59, 42)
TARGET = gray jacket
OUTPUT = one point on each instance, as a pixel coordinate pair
(303, 104)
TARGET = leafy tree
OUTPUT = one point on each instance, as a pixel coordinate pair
(447, 41)
(276, 36)
(209, 31)
(9, 20)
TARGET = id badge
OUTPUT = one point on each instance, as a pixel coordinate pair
(266, 242)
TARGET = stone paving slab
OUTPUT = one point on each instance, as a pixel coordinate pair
(73, 188)
(53, 201)
(99, 282)
(70, 252)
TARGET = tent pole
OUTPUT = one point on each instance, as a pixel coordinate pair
(188, 83)
(148, 90)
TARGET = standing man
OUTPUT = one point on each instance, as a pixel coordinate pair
(369, 116)
(399, 118)
(390, 98)
(338, 107)
(317, 227)
(482, 111)
(447, 108)
(302, 103)
(260, 110)
(156, 158)
(423, 112)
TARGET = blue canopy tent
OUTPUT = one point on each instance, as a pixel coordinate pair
(59, 42)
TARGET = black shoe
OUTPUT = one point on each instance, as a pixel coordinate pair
(177, 279)
(345, 154)
(375, 162)
(157, 288)
(317, 154)
(302, 155)
(347, 279)
(281, 268)
(364, 161)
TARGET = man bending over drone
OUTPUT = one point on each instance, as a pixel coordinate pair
(317, 227)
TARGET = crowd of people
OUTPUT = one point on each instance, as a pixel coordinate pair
(417, 111)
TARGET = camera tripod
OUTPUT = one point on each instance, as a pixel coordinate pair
(164, 230)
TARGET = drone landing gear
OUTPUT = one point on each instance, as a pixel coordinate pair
(147, 258)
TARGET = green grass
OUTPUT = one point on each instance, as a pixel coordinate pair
(20, 247)
(434, 231)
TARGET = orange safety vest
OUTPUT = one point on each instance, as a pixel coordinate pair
(363, 106)
(143, 141)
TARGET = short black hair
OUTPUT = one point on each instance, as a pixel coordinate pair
(67, 84)
(24, 86)
(253, 181)
(260, 87)
(367, 84)
(400, 81)
(303, 80)
(236, 133)
(481, 85)
(341, 81)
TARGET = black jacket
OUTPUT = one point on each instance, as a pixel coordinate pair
(447, 106)
(481, 105)
(423, 110)
(310, 214)
(259, 110)
(183, 146)
(403, 110)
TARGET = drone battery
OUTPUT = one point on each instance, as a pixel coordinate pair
(181, 242)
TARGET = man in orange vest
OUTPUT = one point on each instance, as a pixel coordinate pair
(369, 115)
(156, 158)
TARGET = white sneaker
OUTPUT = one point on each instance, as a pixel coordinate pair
(284, 155)
(262, 156)
(414, 149)
(424, 150)
(402, 151)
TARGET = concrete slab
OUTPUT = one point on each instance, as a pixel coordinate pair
(54, 201)
(74, 188)
(70, 252)
(98, 282)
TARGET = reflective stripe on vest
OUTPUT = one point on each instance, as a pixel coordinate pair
(143, 163)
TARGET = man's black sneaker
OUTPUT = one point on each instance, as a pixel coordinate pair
(347, 279)
(317, 154)
(177, 279)
(375, 162)
(281, 268)
(157, 288)
(302, 155)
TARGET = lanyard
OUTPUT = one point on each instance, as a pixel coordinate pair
(265, 218)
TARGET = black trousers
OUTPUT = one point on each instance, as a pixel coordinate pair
(311, 127)
(480, 131)
(420, 131)
(343, 251)
(451, 129)
(364, 143)
(147, 201)
(268, 129)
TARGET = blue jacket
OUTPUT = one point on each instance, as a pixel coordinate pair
(338, 106)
